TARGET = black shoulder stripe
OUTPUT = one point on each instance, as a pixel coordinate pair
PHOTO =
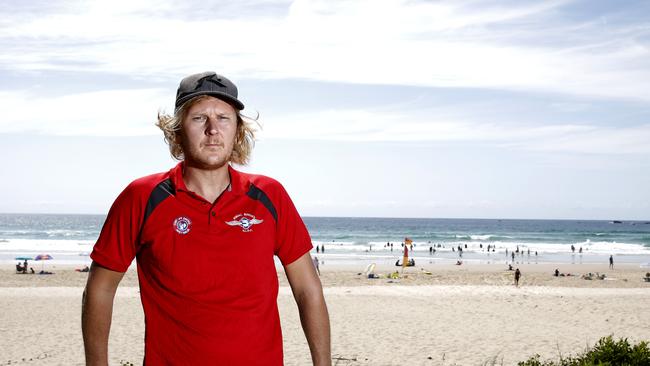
(163, 190)
(257, 194)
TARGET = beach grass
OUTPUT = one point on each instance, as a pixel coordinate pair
(606, 352)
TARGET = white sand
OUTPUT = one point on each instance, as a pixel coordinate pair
(463, 316)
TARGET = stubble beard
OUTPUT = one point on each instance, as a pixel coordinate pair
(194, 159)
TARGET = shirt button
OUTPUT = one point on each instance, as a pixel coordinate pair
(213, 213)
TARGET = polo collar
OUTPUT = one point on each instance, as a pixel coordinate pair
(238, 185)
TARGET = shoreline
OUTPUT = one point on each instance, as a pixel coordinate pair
(382, 258)
(336, 275)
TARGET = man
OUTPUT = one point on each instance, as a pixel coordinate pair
(204, 236)
(517, 277)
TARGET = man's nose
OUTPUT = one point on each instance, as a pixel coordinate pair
(211, 127)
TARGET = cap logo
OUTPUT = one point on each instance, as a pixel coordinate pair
(182, 225)
(211, 78)
(245, 221)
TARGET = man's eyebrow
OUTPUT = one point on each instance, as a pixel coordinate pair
(220, 114)
(217, 113)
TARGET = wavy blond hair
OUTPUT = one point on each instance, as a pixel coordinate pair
(244, 137)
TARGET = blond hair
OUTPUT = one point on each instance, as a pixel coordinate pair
(244, 137)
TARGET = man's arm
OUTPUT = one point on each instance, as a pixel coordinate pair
(97, 312)
(308, 292)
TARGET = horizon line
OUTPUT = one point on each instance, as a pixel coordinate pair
(613, 220)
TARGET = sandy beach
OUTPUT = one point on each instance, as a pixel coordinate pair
(457, 315)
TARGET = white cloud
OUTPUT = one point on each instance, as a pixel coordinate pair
(453, 44)
(102, 113)
(367, 125)
(479, 44)
(133, 112)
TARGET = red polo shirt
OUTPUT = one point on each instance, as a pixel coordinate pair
(208, 282)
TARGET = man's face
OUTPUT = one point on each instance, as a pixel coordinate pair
(208, 133)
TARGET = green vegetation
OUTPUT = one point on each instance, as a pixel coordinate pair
(606, 352)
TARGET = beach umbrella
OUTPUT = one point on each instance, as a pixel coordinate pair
(43, 257)
(24, 259)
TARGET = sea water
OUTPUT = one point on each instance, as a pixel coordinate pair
(357, 240)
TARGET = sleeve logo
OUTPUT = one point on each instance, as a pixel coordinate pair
(245, 221)
(182, 225)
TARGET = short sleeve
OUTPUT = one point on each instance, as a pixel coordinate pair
(117, 243)
(293, 239)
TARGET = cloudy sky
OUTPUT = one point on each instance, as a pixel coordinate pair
(474, 109)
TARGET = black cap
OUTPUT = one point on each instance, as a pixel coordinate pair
(208, 83)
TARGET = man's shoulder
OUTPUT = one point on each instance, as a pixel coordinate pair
(261, 181)
(138, 192)
(146, 184)
(265, 183)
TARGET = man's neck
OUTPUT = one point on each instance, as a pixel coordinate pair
(208, 184)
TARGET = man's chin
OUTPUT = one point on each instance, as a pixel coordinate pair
(207, 164)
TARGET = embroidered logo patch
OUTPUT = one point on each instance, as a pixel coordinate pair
(245, 221)
(182, 225)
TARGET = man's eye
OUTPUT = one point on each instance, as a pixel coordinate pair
(198, 118)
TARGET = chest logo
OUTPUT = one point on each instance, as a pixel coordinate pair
(245, 221)
(182, 225)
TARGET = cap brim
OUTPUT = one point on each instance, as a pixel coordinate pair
(223, 96)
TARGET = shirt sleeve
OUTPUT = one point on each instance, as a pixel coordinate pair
(293, 239)
(117, 243)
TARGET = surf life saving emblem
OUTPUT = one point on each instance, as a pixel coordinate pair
(182, 225)
(245, 221)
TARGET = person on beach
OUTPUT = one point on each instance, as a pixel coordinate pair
(199, 215)
(611, 262)
(517, 276)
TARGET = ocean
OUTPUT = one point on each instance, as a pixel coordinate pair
(357, 240)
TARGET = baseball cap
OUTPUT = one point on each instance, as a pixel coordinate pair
(207, 83)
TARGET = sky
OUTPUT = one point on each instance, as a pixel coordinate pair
(433, 109)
